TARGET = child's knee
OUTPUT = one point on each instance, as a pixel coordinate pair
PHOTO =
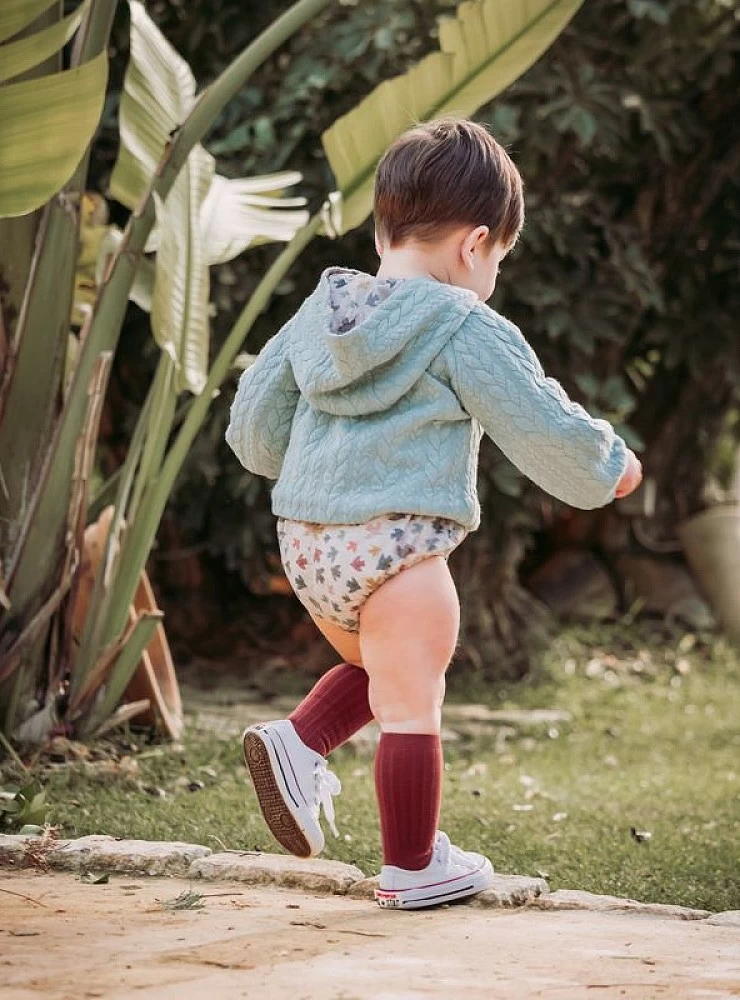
(407, 703)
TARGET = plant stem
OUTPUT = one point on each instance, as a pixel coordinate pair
(10, 750)
(158, 424)
(97, 612)
(211, 102)
(154, 428)
(140, 536)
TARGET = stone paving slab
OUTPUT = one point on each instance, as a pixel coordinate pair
(728, 918)
(254, 868)
(18, 851)
(575, 899)
(101, 853)
(511, 890)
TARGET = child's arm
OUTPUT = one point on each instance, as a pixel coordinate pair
(552, 440)
(263, 409)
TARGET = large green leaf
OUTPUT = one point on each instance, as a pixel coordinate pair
(15, 15)
(158, 94)
(46, 125)
(206, 219)
(241, 211)
(181, 280)
(483, 48)
(17, 57)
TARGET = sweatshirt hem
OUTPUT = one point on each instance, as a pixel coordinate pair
(362, 515)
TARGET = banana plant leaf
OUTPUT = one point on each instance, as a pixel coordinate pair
(206, 219)
(241, 212)
(15, 15)
(483, 48)
(24, 54)
(181, 280)
(46, 123)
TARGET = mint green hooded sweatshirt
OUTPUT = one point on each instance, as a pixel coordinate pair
(388, 417)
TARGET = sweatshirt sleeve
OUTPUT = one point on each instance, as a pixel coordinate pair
(263, 409)
(552, 440)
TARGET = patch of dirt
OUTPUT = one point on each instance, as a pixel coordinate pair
(68, 940)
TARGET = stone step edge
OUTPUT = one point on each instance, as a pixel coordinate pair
(195, 861)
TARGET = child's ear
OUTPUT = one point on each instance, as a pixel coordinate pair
(378, 244)
(472, 244)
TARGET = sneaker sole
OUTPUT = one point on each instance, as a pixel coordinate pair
(263, 764)
(422, 897)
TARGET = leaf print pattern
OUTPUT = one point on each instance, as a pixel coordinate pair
(357, 559)
(354, 297)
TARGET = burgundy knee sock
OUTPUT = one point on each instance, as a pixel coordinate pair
(408, 783)
(334, 709)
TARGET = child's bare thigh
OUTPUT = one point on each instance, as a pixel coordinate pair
(347, 644)
(412, 607)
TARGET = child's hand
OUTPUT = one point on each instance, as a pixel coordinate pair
(632, 476)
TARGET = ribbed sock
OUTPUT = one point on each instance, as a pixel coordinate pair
(334, 709)
(408, 783)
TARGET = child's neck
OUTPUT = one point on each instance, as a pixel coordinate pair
(413, 262)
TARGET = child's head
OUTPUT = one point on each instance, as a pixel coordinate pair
(449, 192)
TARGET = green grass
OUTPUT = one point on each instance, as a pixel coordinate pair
(654, 743)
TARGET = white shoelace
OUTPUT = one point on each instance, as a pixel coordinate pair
(442, 848)
(446, 852)
(327, 785)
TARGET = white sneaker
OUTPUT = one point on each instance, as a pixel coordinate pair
(292, 783)
(451, 874)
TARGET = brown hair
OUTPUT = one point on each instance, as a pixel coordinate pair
(443, 174)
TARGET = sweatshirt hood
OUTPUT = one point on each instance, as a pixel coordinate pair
(372, 366)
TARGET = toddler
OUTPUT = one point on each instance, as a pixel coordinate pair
(368, 408)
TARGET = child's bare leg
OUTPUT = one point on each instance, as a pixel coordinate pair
(337, 705)
(347, 644)
(408, 632)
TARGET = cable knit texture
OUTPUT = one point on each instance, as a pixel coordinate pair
(388, 417)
